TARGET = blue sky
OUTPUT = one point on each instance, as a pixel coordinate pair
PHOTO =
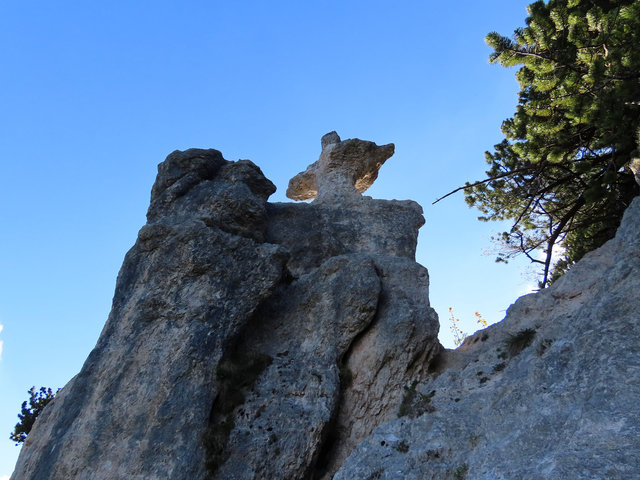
(95, 94)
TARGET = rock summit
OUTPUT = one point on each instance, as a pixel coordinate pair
(345, 169)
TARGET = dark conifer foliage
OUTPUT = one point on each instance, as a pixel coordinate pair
(37, 401)
(561, 174)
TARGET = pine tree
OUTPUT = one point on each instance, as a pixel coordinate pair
(561, 174)
(28, 414)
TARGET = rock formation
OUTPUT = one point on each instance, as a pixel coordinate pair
(344, 169)
(256, 340)
(551, 392)
(247, 340)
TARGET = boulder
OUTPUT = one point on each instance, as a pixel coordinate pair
(139, 406)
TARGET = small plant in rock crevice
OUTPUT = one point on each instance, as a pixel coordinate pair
(543, 346)
(499, 367)
(459, 335)
(402, 447)
(415, 403)
(460, 473)
(376, 474)
(518, 342)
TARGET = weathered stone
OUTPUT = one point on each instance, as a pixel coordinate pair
(250, 340)
(317, 231)
(344, 170)
(394, 350)
(229, 196)
(550, 392)
(246, 340)
(141, 403)
(280, 428)
(342, 340)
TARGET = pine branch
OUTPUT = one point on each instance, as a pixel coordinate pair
(490, 179)
(581, 71)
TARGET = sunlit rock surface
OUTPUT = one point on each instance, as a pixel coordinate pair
(345, 169)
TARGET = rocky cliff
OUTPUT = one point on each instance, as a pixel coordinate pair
(551, 392)
(256, 340)
(248, 339)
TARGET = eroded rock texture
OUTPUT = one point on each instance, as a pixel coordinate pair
(345, 169)
(141, 403)
(247, 340)
(551, 392)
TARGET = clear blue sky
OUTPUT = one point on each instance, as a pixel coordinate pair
(94, 95)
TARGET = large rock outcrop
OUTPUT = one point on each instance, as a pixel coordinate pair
(551, 392)
(256, 340)
(141, 403)
(247, 340)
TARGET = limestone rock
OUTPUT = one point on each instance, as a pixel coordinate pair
(230, 196)
(395, 349)
(344, 169)
(247, 340)
(341, 341)
(317, 231)
(250, 340)
(550, 392)
(304, 330)
(142, 400)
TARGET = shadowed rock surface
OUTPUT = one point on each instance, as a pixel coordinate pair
(250, 340)
(140, 404)
(247, 340)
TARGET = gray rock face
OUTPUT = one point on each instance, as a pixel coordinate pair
(142, 400)
(404, 330)
(551, 392)
(250, 340)
(247, 340)
(317, 231)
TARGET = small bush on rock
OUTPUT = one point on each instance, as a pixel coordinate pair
(521, 340)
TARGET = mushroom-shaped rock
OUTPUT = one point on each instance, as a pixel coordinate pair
(344, 170)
